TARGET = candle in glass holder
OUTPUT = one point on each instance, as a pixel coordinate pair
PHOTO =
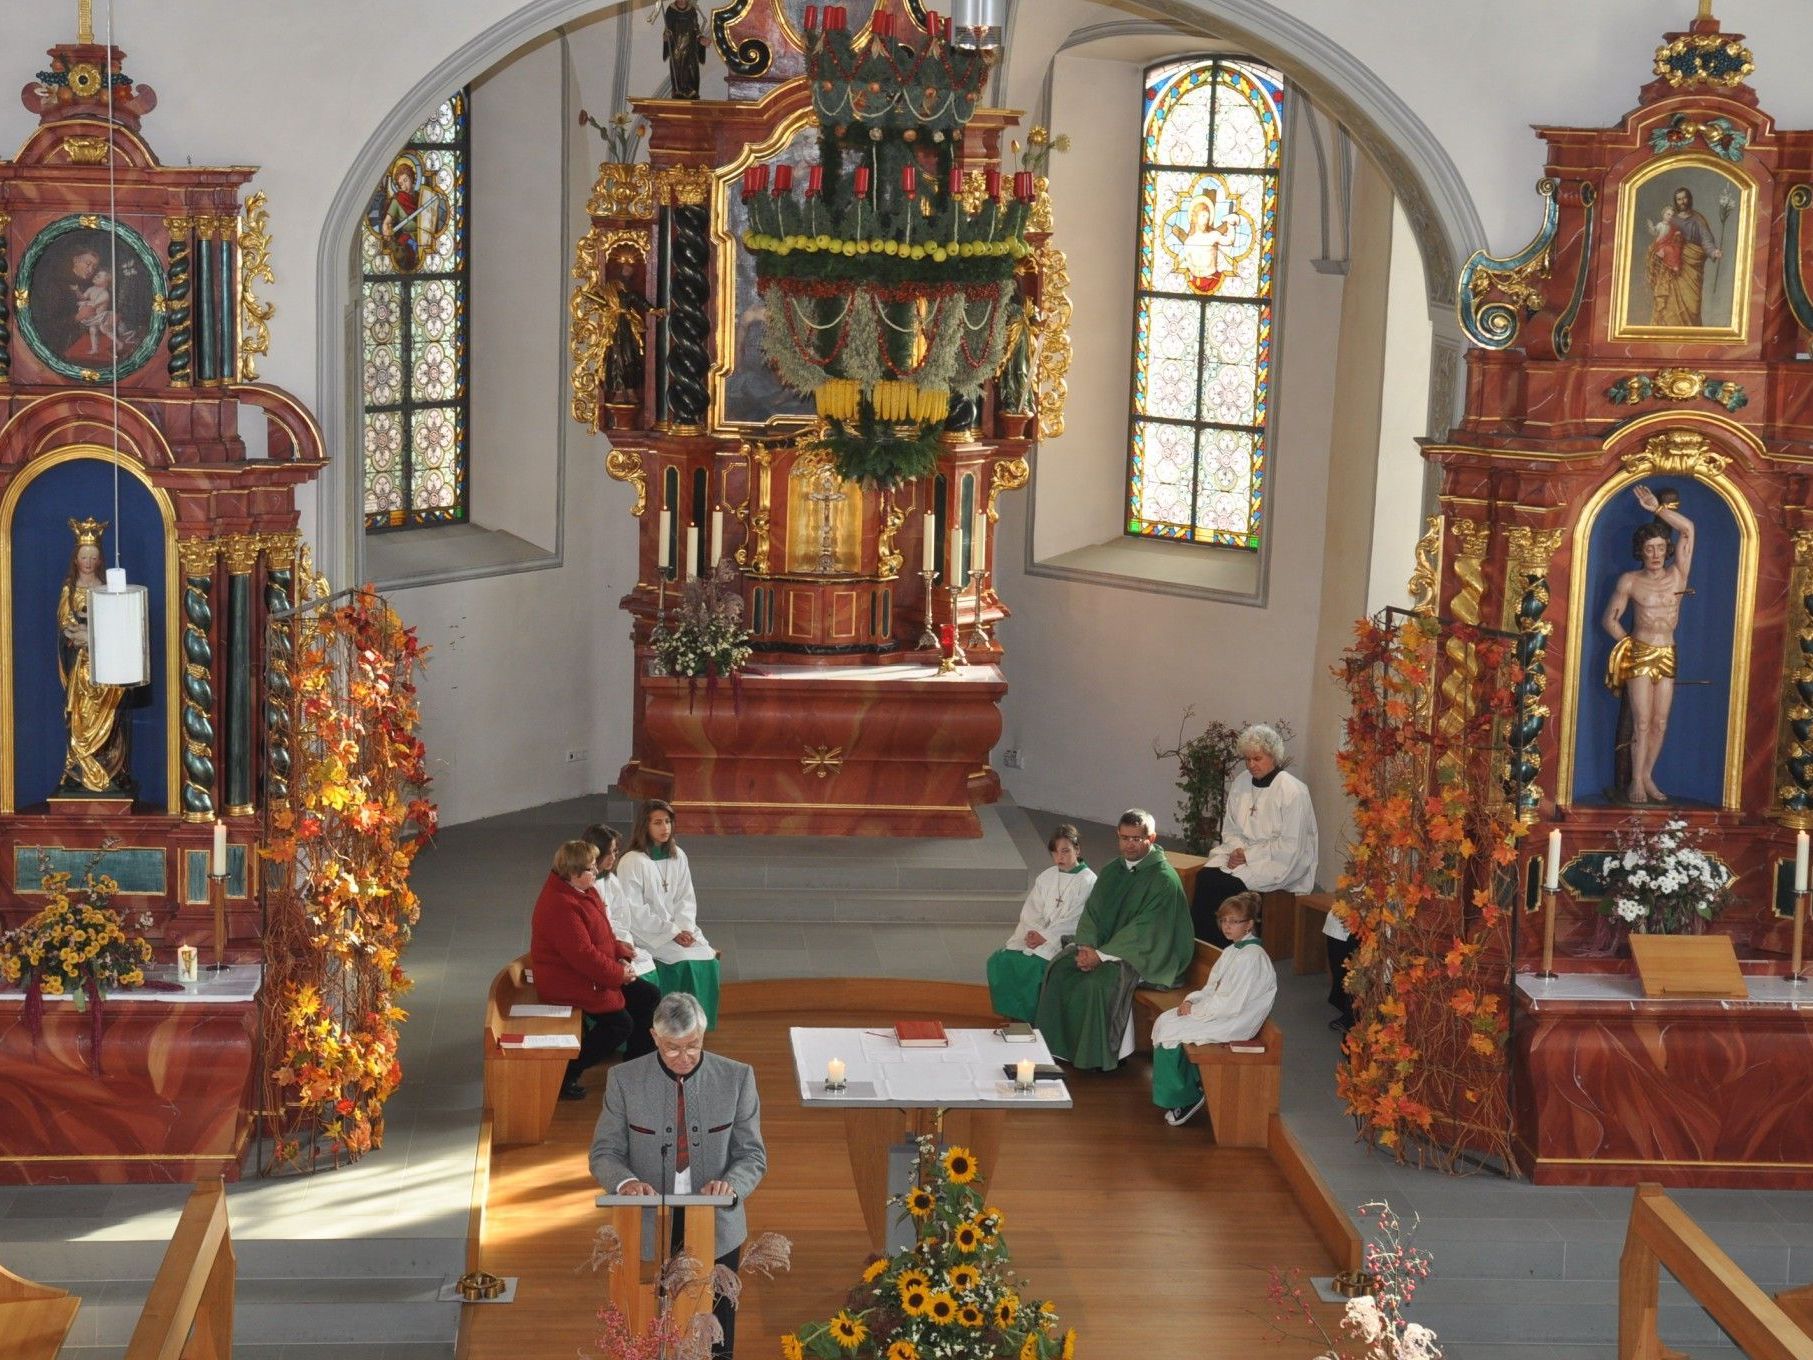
(1023, 1073)
(188, 963)
(834, 1072)
(947, 639)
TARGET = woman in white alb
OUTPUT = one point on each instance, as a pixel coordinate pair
(1229, 1008)
(663, 911)
(1053, 907)
(1268, 834)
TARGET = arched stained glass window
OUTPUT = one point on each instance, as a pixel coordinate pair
(1202, 339)
(412, 328)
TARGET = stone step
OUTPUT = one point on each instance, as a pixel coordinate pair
(1465, 1311)
(870, 907)
(75, 1264)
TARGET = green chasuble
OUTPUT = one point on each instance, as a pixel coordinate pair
(1139, 915)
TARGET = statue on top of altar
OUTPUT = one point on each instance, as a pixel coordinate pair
(1642, 665)
(96, 763)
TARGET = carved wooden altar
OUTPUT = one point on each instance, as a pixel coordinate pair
(834, 576)
(1605, 363)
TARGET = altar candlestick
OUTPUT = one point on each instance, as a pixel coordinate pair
(1552, 879)
(692, 549)
(664, 542)
(218, 862)
(978, 543)
(1548, 934)
(931, 538)
(717, 536)
(1800, 861)
(1796, 973)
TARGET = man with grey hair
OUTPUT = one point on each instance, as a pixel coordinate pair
(1135, 927)
(684, 1121)
(1268, 834)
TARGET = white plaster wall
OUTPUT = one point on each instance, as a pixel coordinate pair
(1397, 511)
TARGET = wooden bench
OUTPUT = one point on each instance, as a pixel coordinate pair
(1277, 909)
(522, 1085)
(1311, 955)
(34, 1318)
(189, 1313)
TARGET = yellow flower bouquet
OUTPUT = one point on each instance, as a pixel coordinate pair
(949, 1296)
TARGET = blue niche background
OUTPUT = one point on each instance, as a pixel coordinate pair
(1692, 764)
(42, 545)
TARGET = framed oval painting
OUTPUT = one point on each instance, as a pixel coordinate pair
(91, 301)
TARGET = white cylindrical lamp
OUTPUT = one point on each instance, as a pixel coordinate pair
(119, 632)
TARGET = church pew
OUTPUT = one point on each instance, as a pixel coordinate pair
(1277, 909)
(522, 1084)
(1311, 955)
(34, 1318)
(189, 1313)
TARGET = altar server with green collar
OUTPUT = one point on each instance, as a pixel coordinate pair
(1230, 1007)
(663, 910)
(1135, 927)
(1052, 910)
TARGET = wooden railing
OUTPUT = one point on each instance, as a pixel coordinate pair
(1662, 1234)
(189, 1313)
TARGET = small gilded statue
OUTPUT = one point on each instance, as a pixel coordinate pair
(96, 763)
(621, 313)
(1641, 667)
(682, 46)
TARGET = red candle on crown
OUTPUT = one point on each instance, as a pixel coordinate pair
(956, 180)
(834, 18)
(815, 180)
(931, 23)
(991, 178)
(760, 181)
(1023, 185)
(947, 639)
(862, 181)
(783, 179)
(748, 181)
(882, 25)
(909, 179)
(811, 17)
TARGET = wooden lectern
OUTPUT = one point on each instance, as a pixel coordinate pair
(636, 1281)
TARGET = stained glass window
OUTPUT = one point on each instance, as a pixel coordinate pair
(1202, 335)
(412, 328)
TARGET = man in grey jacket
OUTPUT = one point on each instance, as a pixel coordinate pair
(686, 1121)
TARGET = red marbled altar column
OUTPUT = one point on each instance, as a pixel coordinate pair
(1683, 1092)
(171, 1103)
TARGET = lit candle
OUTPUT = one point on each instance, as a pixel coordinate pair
(1800, 861)
(1025, 1071)
(834, 1072)
(220, 848)
(947, 639)
(717, 535)
(1552, 880)
(664, 541)
(931, 539)
(692, 548)
(978, 544)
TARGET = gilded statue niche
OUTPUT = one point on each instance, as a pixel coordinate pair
(824, 519)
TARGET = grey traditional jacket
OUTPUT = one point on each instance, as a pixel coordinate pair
(635, 1138)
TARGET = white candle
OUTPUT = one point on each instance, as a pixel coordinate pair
(931, 539)
(1800, 861)
(978, 544)
(664, 541)
(1552, 880)
(219, 863)
(717, 536)
(1025, 1070)
(834, 1072)
(187, 963)
(692, 549)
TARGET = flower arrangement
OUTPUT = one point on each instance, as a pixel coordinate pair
(1394, 1267)
(706, 636)
(1663, 882)
(621, 132)
(78, 948)
(663, 1337)
(1035, 159)
(949, 1296)
(1204, 764)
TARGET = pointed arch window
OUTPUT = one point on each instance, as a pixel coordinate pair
(413, 317)
(1210, 151)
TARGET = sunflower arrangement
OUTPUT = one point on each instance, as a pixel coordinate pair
(78, 948)
(951, 1295)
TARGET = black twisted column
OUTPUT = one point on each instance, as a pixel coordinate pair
(1524, 762)
(688, 322)
(240, 552)
(279, 662)
(180, 337)
(197, 557)
(6, 302)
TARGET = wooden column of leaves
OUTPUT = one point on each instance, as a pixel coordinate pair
(337, 898)
(1430, 889)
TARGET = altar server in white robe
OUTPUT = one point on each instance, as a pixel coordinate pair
(1268, 834)
(1016, 971)
(608, 841)
(1229, 1008)
(662, 909)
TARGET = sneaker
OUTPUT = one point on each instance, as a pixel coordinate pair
(572, 1090)
(1183, 1114)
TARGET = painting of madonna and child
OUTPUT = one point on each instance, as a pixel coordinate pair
(1661, 653)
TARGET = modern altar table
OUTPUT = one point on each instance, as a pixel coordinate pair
(171, 1102)
(1613, 1087)
(958, 1094)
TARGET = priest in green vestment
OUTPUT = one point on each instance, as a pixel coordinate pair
(1135, 928)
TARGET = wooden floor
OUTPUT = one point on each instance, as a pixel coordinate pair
(1152, 1241)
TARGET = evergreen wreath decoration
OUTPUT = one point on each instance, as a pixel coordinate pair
(880, 453)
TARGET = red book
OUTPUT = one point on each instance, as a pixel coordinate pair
(920, 1034)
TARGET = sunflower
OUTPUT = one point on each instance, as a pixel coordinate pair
(848, 1331)
(1006, 1310)
(1029, 1348)
(915, 1299)
(920, 1202)
(964, 1277)
(876, 1269)
(791, 1348)
(960, 1166)
(903, 1350)
(967, 1237)
(940, 1307)
(1069, 1351)
(913, 1279)
(970, 1315)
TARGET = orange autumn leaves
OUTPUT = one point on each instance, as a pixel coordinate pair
(1430, 875)
(343, 847)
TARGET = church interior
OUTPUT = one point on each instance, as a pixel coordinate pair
(844, 456)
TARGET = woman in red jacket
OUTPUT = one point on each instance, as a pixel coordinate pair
(580, 962)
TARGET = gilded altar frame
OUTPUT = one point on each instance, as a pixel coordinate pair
(1742, 234)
